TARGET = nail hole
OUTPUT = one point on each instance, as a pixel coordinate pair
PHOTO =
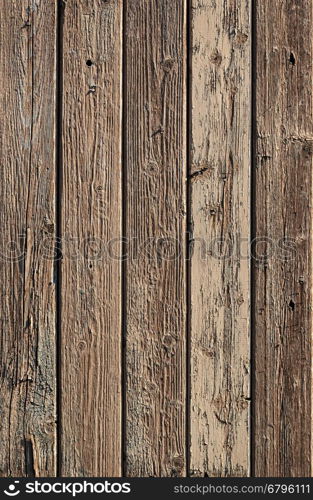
(292, 305)
(89, 62)
(292, 59)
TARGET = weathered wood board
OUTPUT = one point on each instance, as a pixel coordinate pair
(283, 225)
(155, 167)
(220, 121)
(27, 215)
(91, 388)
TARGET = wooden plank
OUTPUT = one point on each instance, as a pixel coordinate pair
(283, 214)
(27, 215)
(155, 156)
(91, 218)
(220, 200)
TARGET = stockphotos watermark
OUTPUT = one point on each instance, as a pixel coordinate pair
(73, 488)
(155, 248)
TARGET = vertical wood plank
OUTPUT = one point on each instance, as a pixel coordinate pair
(27, 215)
(220, 212)
(283, 215)
(155, 155)
(91, 218)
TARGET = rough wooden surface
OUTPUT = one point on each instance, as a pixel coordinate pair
(91, 218)
(180, 389)
(283, 210)
(155, 166)
(220, 212)
(27, 290)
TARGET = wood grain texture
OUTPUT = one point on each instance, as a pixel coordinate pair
(155, 155)
(220, 212)
(283, 213)
(91, 218)
(61, 174)
(27, 290)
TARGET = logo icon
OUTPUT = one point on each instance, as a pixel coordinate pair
(12, 490)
